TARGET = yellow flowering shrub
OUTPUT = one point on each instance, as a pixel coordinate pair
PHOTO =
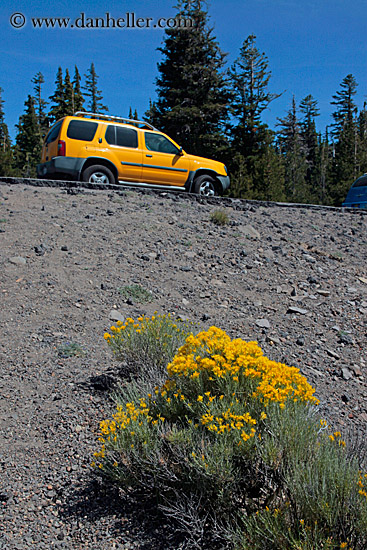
(229, 430)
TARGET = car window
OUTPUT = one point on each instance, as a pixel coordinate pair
(123, 137)
(156, 142)
(54, 132)
(360, 182)
(82, 129)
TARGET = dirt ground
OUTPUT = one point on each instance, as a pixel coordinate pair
(292, 278)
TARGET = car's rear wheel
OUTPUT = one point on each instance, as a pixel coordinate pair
(98, 174)
(205, 185)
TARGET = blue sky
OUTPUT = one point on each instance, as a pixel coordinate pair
(311, 46)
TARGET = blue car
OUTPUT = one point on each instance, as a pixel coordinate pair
(357, 194)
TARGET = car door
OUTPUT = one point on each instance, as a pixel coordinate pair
(163, 162)
(121, 145)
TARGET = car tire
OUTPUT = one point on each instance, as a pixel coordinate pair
(98, 174)
(205, 185)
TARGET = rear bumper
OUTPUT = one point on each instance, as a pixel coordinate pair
(61, 167)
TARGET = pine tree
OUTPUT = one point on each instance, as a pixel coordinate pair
(41, 103)
(326, 158)
(28, 141)
(58, 108)
(68, 95)
(307, 124)
(344, 131)
(269, 173)
(249, 79)
(95, 104)
(192, 104)
(78, 99)
(362, 141)
(290, 142)
(5, 143)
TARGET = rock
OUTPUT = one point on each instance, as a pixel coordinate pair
(40, 250)
(323, 292)
(332, 354)
(262, 323)
(17, 260)
(116, 316)
(249, 231)
(346, 339)
(357, 371)
(346, 374)
(309, 258)
(300, 311)
(64, 248)
(300, 341)
(273, 340)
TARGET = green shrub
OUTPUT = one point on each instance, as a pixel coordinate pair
(147, 345)
(70, 349)
(136, 293)
(232, 448)
(219, 217)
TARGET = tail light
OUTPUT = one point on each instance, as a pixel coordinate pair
(61, 148)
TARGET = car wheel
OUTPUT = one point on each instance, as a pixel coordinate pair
(205, 185)
(98, 174)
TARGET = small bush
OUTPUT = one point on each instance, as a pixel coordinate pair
(70, 349)
(147, 345)
(231, 447)
(136, 293)
(219, 217)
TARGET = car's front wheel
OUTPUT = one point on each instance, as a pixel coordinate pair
(205, 185)
(98, 174)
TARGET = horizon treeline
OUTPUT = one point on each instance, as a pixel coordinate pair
(215, 110)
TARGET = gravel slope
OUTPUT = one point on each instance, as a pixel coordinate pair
(292, 278)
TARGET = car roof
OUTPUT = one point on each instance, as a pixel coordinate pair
(140, 124)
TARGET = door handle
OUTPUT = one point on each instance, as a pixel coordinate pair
(150, 156)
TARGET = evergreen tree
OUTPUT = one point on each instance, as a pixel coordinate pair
(5, 143)
(68, 95)
(78, 99)
(291, 146)
(362, 141)
(249, 79)
(345, 164)
(310, 140)
(28, 141)
(269, 174)
(326, 158)
(58, 108)
(40, 103)
(192, 104)
(95, 104)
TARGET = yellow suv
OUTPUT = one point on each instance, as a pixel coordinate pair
(99, 148)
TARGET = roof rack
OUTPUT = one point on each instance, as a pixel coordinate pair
(116, 119)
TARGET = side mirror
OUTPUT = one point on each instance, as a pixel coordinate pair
(180, 151)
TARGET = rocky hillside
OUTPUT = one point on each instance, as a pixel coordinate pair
(293, 278)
